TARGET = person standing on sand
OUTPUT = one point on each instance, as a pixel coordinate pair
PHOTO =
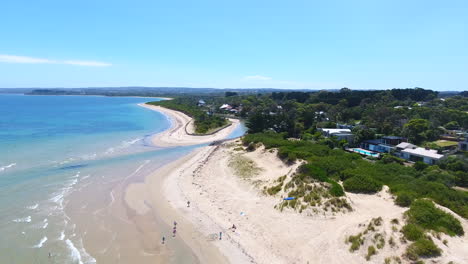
(174, 232)
(220, 235)
(188, 203)
(163, 239)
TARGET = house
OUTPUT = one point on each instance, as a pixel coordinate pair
(463, 145)
(201, 103)
(340, 134)
(385, 144)
(393, 140)
(454, 133)
(344, 126)
(414, 153)
(377, 145)
(225, 107)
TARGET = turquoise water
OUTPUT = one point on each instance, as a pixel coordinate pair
(365, 152)
(54, 146)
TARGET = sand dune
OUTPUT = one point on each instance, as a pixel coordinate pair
(221, 196)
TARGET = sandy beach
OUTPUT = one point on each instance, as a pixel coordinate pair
(221, 196)
(177, 135)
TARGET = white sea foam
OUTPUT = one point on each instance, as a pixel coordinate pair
(123, 145)
(75, 253)
(46, 223)
(32, 207)
(41, 243)
(58, 198)
(26, 219)
(62, 235)
(7, 166)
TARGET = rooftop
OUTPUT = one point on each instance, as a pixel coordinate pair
(336, 130)
(405, 145)
(393, 137)
(431, 153)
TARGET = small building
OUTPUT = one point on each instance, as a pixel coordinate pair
(385, 144)
(225, 107)
(463, 145)
(340, 134)
(344, 126)
(377, 145)
(454, 133)
(201, 102)
(414, 153)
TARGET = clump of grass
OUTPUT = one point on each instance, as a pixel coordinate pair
(356, 242)
(275, 189)
(412, 232)
(395, 221)
(391, 242)
(370, 252)
(423, 247)
(425, 214)
(380, 240)
(243, 167)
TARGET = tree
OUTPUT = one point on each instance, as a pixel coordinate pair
(452, 125)
(416, 130)
(361, 134)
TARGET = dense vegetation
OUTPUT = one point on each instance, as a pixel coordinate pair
(415, 113)
(204, 122)
(360, 175)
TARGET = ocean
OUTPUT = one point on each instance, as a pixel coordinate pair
(61, 159)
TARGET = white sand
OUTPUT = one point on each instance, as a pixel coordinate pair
(177, 136)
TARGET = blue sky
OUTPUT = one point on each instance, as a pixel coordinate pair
(285, 44)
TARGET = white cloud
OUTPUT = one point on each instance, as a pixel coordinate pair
(23, 59)
(257, 78)
(87, 63)
(31, 60)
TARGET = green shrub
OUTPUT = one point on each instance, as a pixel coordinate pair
(336, 189)
(404, 199)
(422, 248)
(356, 242)
(412, 232)
(425, 214)
(370, 252)
(419, 165)
(275, 189)
(405, 182)
(362, 184)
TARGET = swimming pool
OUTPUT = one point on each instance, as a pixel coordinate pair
(364, 152)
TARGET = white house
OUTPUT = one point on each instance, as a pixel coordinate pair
(340, 133)
(414, 153)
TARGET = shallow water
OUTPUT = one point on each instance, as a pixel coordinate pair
(64, 164)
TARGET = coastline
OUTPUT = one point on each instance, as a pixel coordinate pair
(153, 196)
(177, 135)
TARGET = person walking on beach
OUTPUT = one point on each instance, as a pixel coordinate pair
(220, 235)
(175, 223)
(163, 239)
(174, 232)
(188, 203)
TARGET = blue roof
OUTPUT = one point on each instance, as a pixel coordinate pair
(373, 141)
(393, 137)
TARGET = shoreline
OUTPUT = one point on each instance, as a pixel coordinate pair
(151, 196)
(181, 125)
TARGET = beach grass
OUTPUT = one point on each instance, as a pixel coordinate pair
(243, 166)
